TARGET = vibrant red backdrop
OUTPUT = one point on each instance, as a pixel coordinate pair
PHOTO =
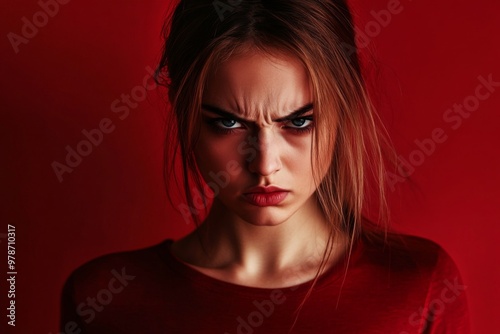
(69, 75)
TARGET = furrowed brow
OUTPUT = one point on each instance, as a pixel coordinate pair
(230, 115)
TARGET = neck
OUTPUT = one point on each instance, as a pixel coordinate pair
(262, 252)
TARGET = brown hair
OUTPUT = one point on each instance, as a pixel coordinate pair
(200, 34)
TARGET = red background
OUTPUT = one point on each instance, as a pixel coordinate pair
(65, 79)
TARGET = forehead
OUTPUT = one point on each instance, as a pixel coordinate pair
(256, 85)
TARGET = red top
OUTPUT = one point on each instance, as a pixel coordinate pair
(409, 286)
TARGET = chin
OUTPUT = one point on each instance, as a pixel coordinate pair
(266, 222)
(269, 216)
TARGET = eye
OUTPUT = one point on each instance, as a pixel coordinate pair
(298, 125)
(227, 123)
(301, 125)
(302, 122)
(224, 125)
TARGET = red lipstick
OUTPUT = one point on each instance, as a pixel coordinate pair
(265, 196)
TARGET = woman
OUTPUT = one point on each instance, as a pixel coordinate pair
(278, 139)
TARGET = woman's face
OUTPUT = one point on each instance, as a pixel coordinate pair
(257, 123)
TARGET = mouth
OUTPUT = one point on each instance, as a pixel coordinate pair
(265, 196)
(267, 189)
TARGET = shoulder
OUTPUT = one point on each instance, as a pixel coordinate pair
(430, 279)
(413, 254)
(115, 270)
(98, 293)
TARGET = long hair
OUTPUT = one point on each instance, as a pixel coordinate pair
(201, 34)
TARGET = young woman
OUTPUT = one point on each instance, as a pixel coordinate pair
(278, 139)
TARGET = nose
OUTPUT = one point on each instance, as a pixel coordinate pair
(266, 159)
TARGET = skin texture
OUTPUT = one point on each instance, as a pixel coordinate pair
(271, 246)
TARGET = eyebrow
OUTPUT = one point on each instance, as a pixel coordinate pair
(227, 114)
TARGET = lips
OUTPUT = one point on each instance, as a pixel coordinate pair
(261, 189)
(265, 196)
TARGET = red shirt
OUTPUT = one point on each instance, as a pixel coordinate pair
(409, 286)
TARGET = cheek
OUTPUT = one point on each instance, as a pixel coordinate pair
(298, 164)
(216, 155)
(229, 154)
(297, 153)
